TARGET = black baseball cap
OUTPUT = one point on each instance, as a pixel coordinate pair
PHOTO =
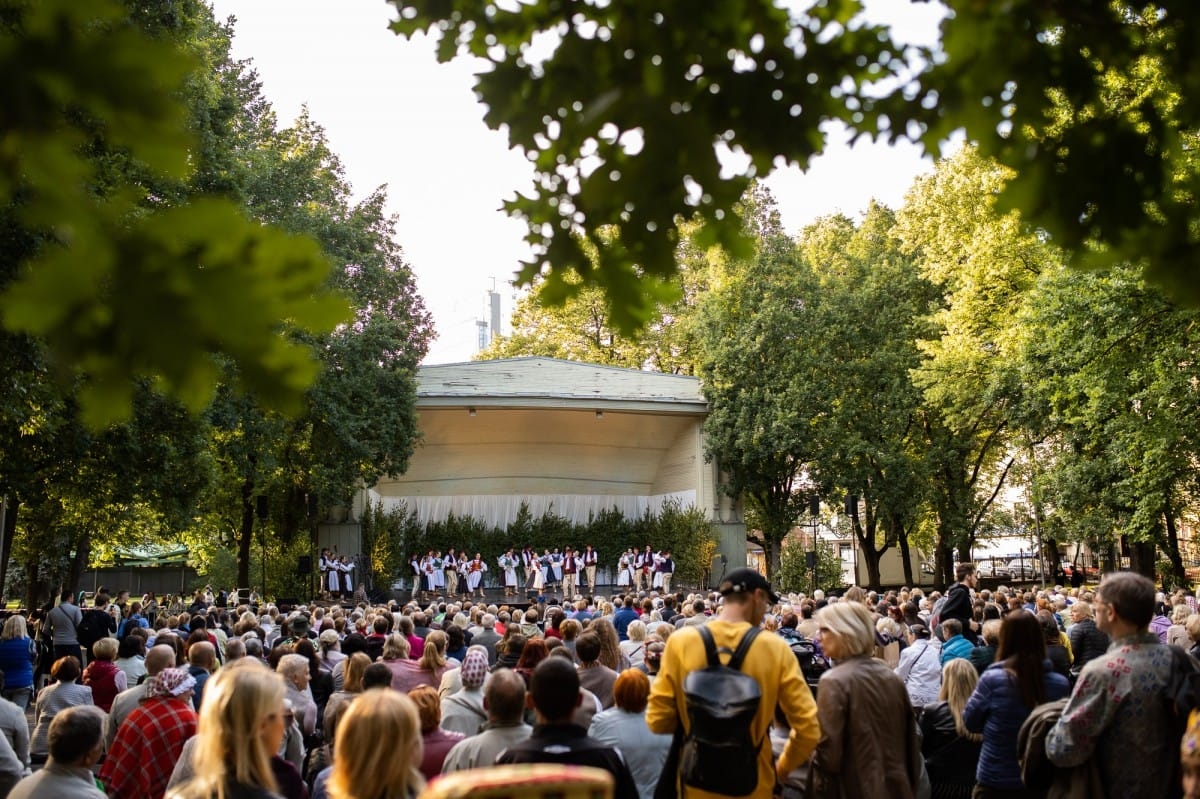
(743, 581)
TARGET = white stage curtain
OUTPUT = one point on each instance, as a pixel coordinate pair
(499, 511)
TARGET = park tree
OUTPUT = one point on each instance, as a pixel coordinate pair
(353, 423)
(872, 302)
(759, 431)
(627, 110)
(137, 269)
(984, 264)
(1113, 363)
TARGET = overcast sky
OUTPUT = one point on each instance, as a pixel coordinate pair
(397, 117)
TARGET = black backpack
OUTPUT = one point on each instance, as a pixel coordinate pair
(92, 627)
(719, 753)
(812, 661)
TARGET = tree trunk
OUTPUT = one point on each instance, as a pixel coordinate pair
(37, 590)
(905, 556)
(78, 564)
(11, 507)
(1172, 547)
(1141, 559)
(245, 535)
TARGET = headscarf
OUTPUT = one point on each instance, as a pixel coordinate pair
(171, 682)
(474, 668)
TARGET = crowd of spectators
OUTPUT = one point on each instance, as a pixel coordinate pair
(914, 691)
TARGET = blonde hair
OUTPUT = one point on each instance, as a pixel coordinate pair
(105, 648)
(610, 644)
(852, 623)
(395, 647)
(959, 679)
(14, 627)
(636, 630)
(352, 672)
(238, 700)
(365, 770)
(433, 656)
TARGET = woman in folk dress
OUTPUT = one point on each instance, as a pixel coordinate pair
(538, 581)
(624, 570)
(475, 571)
(439, 576)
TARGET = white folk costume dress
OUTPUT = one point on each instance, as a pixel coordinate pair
(624, 570)
(427, 583)
(334, 577)
(509, 564)
(345, 568)
(475, 572)
(439, 576)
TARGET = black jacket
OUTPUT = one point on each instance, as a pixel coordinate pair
(570, 744)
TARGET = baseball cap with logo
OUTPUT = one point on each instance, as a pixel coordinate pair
(744, 581)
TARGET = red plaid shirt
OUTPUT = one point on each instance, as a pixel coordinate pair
(148, 743)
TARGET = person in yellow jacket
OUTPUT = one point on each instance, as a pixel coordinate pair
(770, 661)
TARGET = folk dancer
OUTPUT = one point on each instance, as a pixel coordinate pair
(624, 569)
(544, 566)
(333, 578)
(529, 564)
(647, 569)
(508, 563)
(639, 563)
(439, 576)
(556, 561)
(323, 563)
(537, 582)
(345, 567)
(450, 567)
(415, 563)
(570, 569)
(666, 570)
(464, 571)
(656, 582)
(590, 559)
(427, 574)
(475, 571)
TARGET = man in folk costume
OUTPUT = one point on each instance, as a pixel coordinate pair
(529, 563)
(638, 563)
(590, 559)
(450, 569)
(324, 563)
(475, 571)
(508, 563)
(570, 570)
(666, 569)
(647, 569)
(415, 563)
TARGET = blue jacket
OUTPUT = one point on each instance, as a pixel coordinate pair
(956, 647)
(996, 710)
(16, 660)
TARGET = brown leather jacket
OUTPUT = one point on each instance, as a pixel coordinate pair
(869, 743)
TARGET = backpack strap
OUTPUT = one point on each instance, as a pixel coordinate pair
(739, 654)
(710, 646)
(743, 647)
